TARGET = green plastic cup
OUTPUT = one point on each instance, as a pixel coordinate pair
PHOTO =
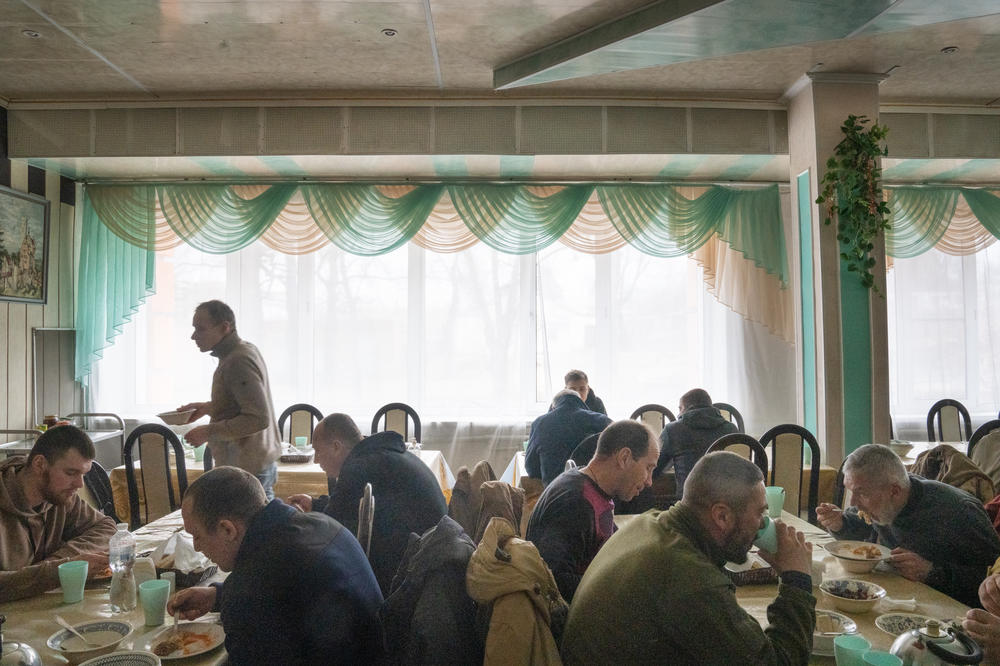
(300, 441)
(153, 596)
(767, 536)
(775, 500)
(879, 658)
(72, 578)
(199, 453)
(849, 649)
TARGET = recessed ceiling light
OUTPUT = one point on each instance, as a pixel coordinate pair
(948, 50)
(389, 32)
(31, 33)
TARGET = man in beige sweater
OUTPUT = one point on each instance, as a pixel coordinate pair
(43, 522)
(242, 431)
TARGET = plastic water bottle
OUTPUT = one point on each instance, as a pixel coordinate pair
(121, 557)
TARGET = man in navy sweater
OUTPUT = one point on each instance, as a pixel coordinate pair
(300, 590)
(556, 433)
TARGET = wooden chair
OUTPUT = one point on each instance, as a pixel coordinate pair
(981, 432)
(366, 516)
(154, 441)
(653, 415)
(303, 417)
(98, 485)
(945, 420)
(742, 445)
(731, 414)
(787, 443)
(841, 496)
(396, 416)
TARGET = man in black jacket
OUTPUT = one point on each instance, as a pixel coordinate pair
(300, 589)
(407, 496)
(684, 441)
(577, 381)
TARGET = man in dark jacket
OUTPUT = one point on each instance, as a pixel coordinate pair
(300, 589)
(407, 496)
(577, 380)
(685, 440)
(555, 434)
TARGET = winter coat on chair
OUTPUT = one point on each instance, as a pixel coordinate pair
(946, 464)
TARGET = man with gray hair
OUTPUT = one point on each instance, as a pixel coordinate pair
(939, 535)
(300, 590)
(657, 593)
(556, 433)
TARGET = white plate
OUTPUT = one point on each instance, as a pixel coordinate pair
(215, 637)
(843, 549)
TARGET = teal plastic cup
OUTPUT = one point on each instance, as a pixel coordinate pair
(72, 579)
(199, 453)
(850, 649)
(879, 658)
(153, 596)
(775, 500)
(300, 442)
(767, 536)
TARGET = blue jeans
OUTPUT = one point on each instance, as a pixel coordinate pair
(267, 477)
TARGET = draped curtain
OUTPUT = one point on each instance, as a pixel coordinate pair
(955, 220)
(736, 234)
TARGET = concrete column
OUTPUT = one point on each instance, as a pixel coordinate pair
(841, 326)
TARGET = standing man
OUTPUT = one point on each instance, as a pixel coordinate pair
(242, 432)
(684, 441)
(576, 380)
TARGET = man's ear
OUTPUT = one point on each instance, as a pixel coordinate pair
(722, 515)
(623, 456)
(229, 529)
(39, 464)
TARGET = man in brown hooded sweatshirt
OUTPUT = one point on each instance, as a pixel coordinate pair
(43, 522)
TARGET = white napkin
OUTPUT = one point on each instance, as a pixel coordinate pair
(178, 552)
(890, 604)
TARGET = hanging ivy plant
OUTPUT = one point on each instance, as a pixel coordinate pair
(852, 188)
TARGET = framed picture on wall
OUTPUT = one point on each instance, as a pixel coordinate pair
(24, 246)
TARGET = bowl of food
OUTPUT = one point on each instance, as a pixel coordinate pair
(852, 595)
(125, 658)
(829, 625)
(107, 634)
(191, 638)
(858, 556)
(176, 418)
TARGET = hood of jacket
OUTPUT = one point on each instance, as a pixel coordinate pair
(702, 418)
(387, 440)
(11, 498)
(492, 575)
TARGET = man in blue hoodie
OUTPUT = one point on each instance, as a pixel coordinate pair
(556, 433)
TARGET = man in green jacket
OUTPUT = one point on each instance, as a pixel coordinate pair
(657, 593)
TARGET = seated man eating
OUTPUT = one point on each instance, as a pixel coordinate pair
(43, 522)
(939, 535)
(300, 589)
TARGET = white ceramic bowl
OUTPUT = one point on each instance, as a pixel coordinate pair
(125, 658)
(899, 623)
(899, 447)
(852, 595)
(110, 633)
(176, 418)
(829, 625)
(857, 556)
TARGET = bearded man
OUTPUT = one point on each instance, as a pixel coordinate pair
(43, 522)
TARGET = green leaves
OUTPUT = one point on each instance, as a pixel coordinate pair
(852, 191)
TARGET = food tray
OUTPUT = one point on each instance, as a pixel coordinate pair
(293, 455)
(762, 576)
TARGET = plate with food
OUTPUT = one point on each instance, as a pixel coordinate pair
(102, 577)
(192, 638)
(858, 556)
(899, 623)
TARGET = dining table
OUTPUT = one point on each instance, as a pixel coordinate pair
(306, 478)
(755, 599)
(32, 620)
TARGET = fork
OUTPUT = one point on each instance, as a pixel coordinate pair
(176, 631)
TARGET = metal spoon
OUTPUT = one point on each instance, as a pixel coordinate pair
(68, 627)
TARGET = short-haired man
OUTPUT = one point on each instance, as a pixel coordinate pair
(575, 514)
(43, 522)
(242, 432)
(300, 589)
(939, 535)
(556, 433)
(684, 441)
(577, 381)
(408, 498)
(657, 593)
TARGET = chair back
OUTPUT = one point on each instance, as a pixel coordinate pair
(981, 432)
(366, 516)
(731, 414)
(303, 419)
(654, 416)
(744, 446)
(945, 422)
(841, 495)
(788, 443)
(207, 462)
(984, 449)
(98, 485)
(585, 450)
(152, 493)
(570, 464)
(396, 416)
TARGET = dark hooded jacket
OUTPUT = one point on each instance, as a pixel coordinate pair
(554, 436)
(685, 440)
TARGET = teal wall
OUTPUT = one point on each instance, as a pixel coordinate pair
(808, 303)
(855, 324)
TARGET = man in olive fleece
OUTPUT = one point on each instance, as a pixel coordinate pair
(657, 593)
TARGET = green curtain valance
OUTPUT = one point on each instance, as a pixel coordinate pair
(921, 216)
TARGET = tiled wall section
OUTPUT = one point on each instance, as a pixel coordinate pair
(18, 319)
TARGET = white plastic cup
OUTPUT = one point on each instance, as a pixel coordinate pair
(143, 570)
(171, 577)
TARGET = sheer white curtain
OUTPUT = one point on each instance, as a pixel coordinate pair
(944, 314)
(474, 336)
